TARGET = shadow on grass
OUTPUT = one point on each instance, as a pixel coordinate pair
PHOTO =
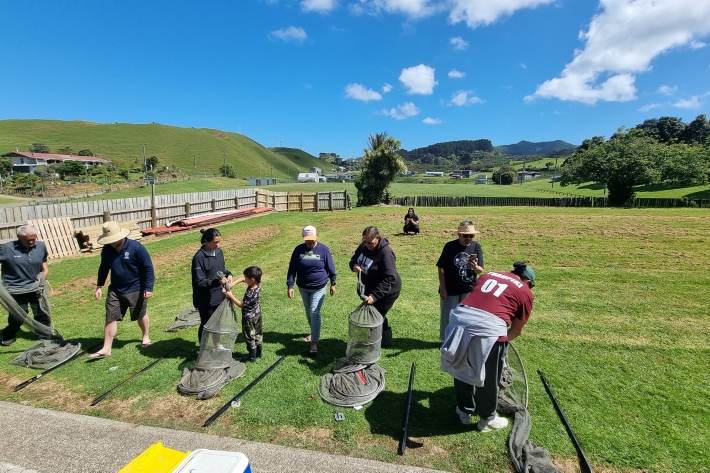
(404, 345)
(432, 414)
(329, 350)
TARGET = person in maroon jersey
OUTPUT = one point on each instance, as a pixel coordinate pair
(476, 341)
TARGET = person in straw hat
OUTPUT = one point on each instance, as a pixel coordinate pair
(132, 279)
(460, 263)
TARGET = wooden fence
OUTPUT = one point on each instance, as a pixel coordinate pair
(576, 201)
(158, 210)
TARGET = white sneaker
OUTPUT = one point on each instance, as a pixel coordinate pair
(498, 422)
(222, 347)
(464, 417)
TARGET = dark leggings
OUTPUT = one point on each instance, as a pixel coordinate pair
(483, 399)
(205, 314)
(383, 306)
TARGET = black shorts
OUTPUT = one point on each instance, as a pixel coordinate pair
(117, 304)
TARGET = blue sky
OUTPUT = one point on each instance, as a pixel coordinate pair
(324, 74)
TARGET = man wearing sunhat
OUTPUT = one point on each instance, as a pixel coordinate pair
(460, 263)
(477, 338)
(132, 279)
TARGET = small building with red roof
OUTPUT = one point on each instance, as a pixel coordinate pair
(27, 161)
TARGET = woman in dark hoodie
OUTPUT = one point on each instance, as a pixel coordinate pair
(375, 261)
(206, 283)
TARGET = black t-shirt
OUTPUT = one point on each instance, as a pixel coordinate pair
(459, 278)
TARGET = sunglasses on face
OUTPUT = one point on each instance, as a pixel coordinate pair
(371, 242)
(466, 236)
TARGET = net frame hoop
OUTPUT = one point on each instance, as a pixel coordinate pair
(525, 374)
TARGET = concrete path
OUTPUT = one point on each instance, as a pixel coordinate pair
(36, 440)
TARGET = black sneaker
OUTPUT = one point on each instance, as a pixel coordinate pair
(8, 342)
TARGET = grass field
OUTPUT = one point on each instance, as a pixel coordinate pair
(619, 327)
(430, 187)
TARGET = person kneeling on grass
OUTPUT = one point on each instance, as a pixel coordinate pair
(251, 311)
(477, 338)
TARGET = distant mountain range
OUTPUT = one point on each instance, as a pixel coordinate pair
(528, 148)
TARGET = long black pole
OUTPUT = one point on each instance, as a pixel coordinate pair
(585, 466)
(241, 393)
(47, 371)
(407, 408)
(101, 398)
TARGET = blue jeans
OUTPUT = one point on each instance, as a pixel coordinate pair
(312, 302)
(447, 305)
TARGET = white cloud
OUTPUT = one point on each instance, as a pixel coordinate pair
(431, 121)
(291, 33)
(320, 6)
(696, 45)
(522, 65)
(410, 8)
(477, 12)
(692, 102)
(621, 41)
(406, 110)
(459, 43)
(360, 92)
(667, 90)
(386, 88)
(454, 74)
(419, 79)
(649, 106)
(465, 97)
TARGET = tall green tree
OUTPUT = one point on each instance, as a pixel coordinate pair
(5, 166)
(72, 168)
(382, 164)
(152, 162)
(227, 170)
(630, 159)
(39, 148)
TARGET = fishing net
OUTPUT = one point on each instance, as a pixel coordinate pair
(215, 366)
(352, 384)
(357, 379)
(188, 317)
(43, 354)
(527, 457)
(364, 334)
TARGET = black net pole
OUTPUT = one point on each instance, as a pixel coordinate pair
(407, 408)
(47, 371)
(585, 466)
(103, 396)
(236, 400)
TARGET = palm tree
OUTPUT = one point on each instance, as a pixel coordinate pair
(382, 163)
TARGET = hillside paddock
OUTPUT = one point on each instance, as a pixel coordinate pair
(619, 328)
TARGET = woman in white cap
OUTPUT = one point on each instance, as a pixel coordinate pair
(310, 268)
(460, 263)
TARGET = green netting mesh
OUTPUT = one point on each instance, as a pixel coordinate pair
(188, 317)
(364, 334)
(527, 457)
(215, 366)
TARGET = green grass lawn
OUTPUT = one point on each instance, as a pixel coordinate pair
(619, 327)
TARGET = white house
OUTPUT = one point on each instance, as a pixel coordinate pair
(435, 173)
(27, 161)
(308, 177)
(317, 170)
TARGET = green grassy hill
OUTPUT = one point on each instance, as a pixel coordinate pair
(174, 146)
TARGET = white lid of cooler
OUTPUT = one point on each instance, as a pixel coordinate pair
(213, 461)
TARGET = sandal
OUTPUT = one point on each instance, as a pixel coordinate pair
(97, 356)
(145, 345)
(307, 339)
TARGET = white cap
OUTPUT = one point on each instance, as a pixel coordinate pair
(310, 233)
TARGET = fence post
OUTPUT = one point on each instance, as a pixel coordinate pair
(214, 205)
(316, 204)
(236, 202)
(107, 216)
(187, 209)
(330, 201)
(300, 202)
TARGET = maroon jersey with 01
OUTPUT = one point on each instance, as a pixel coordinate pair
(503, 295)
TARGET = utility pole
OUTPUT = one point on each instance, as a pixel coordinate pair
(145, 165)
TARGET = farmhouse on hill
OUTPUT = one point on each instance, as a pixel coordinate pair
(27, 161)
(310, 177)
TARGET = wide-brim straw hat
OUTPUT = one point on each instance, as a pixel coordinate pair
(467, 230)
(112, 233)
